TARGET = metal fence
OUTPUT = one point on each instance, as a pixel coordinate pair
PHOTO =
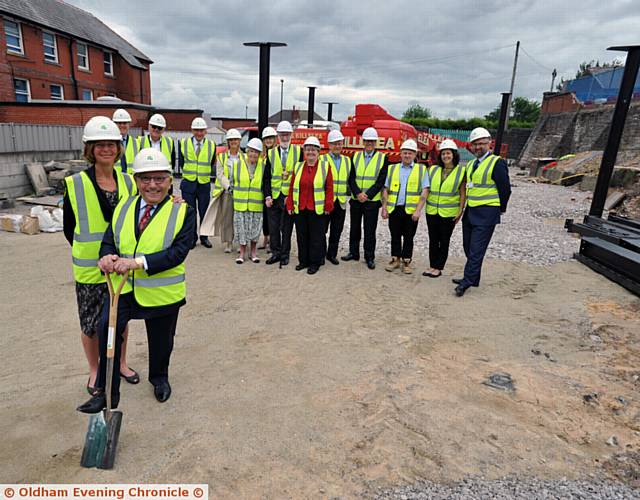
(21, 138)
(460, 135)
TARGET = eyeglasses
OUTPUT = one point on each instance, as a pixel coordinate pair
(157, 179)
(155, 127)
(106, 145)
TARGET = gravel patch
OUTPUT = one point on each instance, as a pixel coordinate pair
(531, 231)
(511, 488)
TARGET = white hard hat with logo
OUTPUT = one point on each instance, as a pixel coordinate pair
(335, 136)
(150, 160)
(158, 120)
(447, 144)
(370, 134)
(121, 116)
(312, 140)
(101, 128)
(256, 144)
(284, 126)
(479, 133)
(409, 144)
(232, 133)
(198, 123)
(269, 132)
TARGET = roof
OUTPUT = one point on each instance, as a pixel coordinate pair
(70, 20)
(603, 85)
(292, 115)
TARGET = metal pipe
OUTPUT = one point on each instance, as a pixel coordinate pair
(617, 127)
(330, 110)
(504, 111)
(310, 110)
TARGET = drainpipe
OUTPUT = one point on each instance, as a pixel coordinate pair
(73, 70)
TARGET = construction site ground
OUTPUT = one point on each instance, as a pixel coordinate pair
(334, 385)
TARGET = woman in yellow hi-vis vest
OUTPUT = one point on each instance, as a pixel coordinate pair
(248, 199)
(89, 200)
(445, 204)
(310, 201)
(146, 243)
(403, 197)
(269, 137)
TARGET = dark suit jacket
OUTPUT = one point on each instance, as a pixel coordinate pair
(159, 261)
(490, 216)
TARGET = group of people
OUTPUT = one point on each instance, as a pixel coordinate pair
(121, 216)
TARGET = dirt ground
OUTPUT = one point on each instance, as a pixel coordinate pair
(294, 386)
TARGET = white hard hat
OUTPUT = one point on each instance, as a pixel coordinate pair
(409, 144)
(312, 140)
(335, 136)
(256, 144)
(284, 126)
(447, 144)
(479, 133)
(121, 116)
(198, 123)
(269, 132)
(370, 134)
(158, 120)
(150, 160)
(101, 128)
(232, 133)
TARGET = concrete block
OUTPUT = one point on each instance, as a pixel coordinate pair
(614, 199)
(38, 179)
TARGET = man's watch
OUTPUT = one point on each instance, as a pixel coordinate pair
(140, 262)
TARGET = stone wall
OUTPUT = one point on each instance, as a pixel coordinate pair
(573, 132)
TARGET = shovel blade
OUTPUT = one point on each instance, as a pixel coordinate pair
(95, 441)
(113, 424)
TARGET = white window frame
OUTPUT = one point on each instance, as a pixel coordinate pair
(61, 92)
(104, 53)
(90, 94)
(12, 49)
(45, 46)
(85, 55)
(15, 91)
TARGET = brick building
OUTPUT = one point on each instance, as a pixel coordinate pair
(53, 50)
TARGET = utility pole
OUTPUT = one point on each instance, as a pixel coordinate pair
(310, 106)
(281, 94)
(513, 81)
(246, 111)
(263, 87)
(553, 79)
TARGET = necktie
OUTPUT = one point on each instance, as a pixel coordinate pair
(145, 217)
(475, 165)
(198, 148)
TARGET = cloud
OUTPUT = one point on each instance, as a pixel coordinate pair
(455, 58)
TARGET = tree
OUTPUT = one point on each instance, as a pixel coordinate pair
(522, 109)
(416, 111)
(586, 67)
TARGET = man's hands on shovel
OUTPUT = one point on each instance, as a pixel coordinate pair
(119, 265)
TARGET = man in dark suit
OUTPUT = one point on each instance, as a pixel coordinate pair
(147, 243)
(488, 192)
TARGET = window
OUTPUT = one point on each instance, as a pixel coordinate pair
(108, 63)
(83, 56)
(50, 49)
(14, 36)
(57, 92)
(22, 90)
(87, 95)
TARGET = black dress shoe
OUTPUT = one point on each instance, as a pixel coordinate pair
(98, 403)
(162, 391)
(284, 261)
(333, 260)
(312, 270)
(460, 290)
(457, 281)
(300, 267)
(132, 379)
(273, 259)
(206, 243)
(371, 264)
(350, 256)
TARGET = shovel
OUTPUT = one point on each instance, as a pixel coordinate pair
(101, 440)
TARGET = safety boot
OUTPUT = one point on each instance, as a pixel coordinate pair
(393, 264)
(407, 267)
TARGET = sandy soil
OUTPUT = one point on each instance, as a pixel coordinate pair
(295, 386)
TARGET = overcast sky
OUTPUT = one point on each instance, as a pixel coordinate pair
(455, 57)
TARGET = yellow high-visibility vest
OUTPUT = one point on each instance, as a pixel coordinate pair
(341, 177)
(129, 154)
(247, 193)
(444, 196)
(197, 168)
(481, 188)
(366, 175)
(413, 188)
(278, 184)
(319, 181)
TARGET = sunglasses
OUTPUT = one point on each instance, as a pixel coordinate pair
(155, 127)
